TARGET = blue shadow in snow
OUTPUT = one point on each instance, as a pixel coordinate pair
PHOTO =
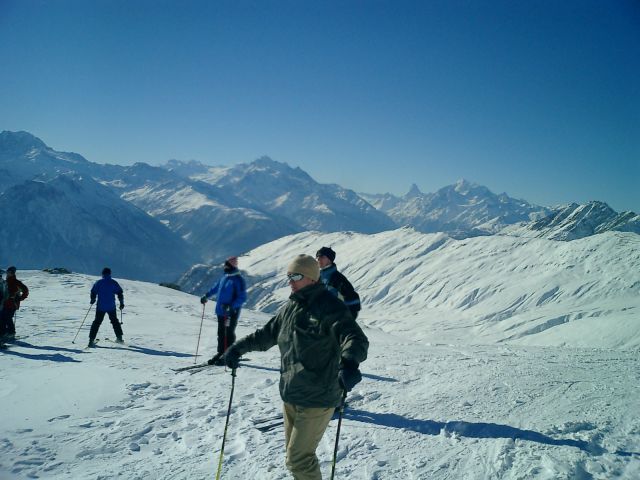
(51, 357)
(146, 351)
(20, 343)
(467, 429)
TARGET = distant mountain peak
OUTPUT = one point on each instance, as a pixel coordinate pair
(267, 163)
(464, 186)
(413, 192)
(20, 140)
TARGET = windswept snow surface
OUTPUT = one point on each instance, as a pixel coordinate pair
(424, 410)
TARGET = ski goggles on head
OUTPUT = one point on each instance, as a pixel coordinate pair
(294, 277)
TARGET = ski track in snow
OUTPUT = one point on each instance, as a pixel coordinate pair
(436, 411)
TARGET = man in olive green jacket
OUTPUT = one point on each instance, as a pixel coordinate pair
(321, 347)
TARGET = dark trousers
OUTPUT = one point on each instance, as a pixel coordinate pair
(7, 327)
(95, 326)
(226, 334)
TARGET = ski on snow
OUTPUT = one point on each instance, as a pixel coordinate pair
(200, 366)
(192, 367)
(266, 424)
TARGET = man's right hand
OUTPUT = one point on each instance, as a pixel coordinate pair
(232, 358)
(349, 375)
(203, 299)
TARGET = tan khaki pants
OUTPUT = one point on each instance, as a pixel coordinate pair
(303, 430)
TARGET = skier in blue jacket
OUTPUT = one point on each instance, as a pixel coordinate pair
(106, 289)
(231, 294)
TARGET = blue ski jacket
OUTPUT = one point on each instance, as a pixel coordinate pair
(106, 289)
(231, 290)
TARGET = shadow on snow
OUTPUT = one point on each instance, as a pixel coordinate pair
(470, 430)
(52, 357)
(20, 343)
(146, 350)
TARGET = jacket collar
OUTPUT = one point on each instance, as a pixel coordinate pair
(308, 293)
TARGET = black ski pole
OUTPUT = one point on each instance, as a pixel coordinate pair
(335, 448)
(85, 317)
(226, 424)
(195, 360)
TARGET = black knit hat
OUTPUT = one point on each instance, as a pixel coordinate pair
(11, 269)
(327, 252)
(106, 271)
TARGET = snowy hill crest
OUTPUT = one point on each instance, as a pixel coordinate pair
(575, 221)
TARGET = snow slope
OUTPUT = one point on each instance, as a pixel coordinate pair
(423, 410)
(480, 290)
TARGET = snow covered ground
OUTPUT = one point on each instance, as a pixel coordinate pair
(431, 405)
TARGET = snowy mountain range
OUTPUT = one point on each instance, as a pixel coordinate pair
(201, 214)
(73, 221)
(497, 351)
(461, 210)
(574, 221)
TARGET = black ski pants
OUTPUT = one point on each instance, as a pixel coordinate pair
(227, 333)
(7, 327)
(95, 326)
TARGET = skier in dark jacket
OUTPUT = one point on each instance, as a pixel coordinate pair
(106, 289)
(321, 348)
(16, 291)
(336, 282)
(231, 294)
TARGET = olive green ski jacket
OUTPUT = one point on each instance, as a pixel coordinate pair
(315, 333)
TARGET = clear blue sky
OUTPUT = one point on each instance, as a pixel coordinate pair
(538, 99)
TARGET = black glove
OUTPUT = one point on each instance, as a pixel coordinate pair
(93, 300)
(349, 375)
(203, 299)
(121, 306)
(232, 358)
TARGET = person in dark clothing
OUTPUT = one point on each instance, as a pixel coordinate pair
(336, 282)
(321, 348)
(16, 291)
(3, 297)
(231, 294)
(106, 289)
